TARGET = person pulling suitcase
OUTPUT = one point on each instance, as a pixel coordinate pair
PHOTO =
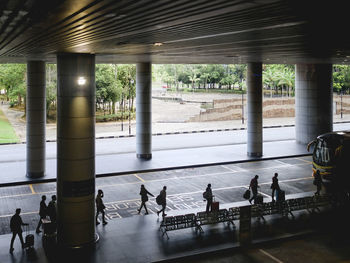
(208, 195)
(16, 224)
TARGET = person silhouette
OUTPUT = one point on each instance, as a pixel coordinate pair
(254, 187)
(52, 209)
(16, 224)
(162, 195)
(100, 207)
(275, 187)
(42, 213)
(209, 198)
(144, 198)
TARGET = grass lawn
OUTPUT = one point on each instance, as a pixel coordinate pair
(7, 133)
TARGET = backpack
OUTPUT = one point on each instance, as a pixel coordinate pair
(159, 200)
(205, 195)
(12, 224)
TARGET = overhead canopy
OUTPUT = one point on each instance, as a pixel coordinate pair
(176, 31)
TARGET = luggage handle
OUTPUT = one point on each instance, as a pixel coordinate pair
(26, 229)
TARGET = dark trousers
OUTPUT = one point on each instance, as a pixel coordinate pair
(103, 215)
(40, 222)
(143, 204)
(255, 194)
(319, 187)
(162, 210)
(275, 191)
(209, 202)
(14, 236)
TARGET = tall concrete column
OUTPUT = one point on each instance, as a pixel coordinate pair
(144, 110)
(75, 149)
(36, 118)
(254, 110)
(314, 98)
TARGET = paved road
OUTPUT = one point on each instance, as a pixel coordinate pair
(16, 152)
(185, 188)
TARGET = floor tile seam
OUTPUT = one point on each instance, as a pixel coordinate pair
(231, 171)
(214, 189)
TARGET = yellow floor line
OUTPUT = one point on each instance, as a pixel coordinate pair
(301, 159)
(32, 189)
(138, 177)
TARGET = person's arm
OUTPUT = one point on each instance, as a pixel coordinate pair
(149, 193)
(23, 224)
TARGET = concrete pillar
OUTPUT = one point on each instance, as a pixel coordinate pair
(75, 149)
(314, 98)
(144, 110)
(36, 118)
(254, 110)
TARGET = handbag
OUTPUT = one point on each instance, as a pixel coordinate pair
(246, 194)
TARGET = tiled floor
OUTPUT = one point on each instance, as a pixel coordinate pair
(185, 188)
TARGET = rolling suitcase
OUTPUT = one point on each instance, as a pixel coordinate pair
(29, 239)
(281, 196)
(214, 206)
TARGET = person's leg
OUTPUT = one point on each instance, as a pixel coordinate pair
(21, 239)
(255, 194)
(273, 194)
(145, 208)
(97, 212)
(12, 240)
(163, 209)
(319, 189)
(250, 200)
(103, 217)
(207, 209)
(39, 225)
(142, 205)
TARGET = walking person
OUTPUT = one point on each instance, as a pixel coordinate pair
(275, 187)
(318, 182)
(100, 207)
(42, 212)
(162, 201)
(254, 188)
(52, 209)
(144, 198)
(208, 195)
(16, 224)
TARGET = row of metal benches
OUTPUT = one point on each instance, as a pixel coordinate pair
(198, 220)
(310, 203)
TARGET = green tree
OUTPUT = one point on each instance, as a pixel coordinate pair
(341, 78)
(12, 80)
(51, 87)
(107, 90)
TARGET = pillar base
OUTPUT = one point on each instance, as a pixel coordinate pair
(146, 156)
(35, 175)
(254, 154)
(82, 246)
